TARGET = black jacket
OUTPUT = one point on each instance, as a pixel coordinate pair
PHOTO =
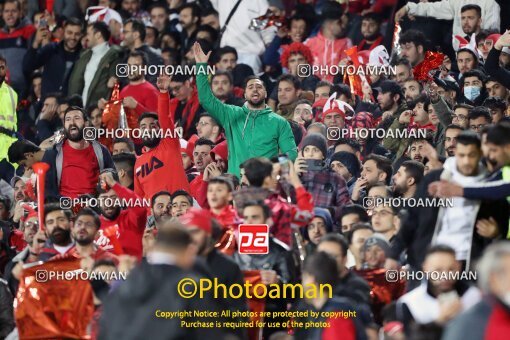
(222, 267)
(354, 287)
(53, 58)
(46, 128)
(278, 259)
(12, 282)
(494, 70)
(226, 271)
(129, 312)
(50, 157)
(6, 311)
(417, 231)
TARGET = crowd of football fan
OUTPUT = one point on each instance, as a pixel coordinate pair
(264, 143)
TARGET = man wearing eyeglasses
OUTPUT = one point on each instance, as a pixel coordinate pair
(184, 107)
(384, 220)
(478, 118)
(208, 128)
(460, 115)
(35, 242)
(84, 230)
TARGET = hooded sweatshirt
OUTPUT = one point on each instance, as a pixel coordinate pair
(327, 52)
(249, 133)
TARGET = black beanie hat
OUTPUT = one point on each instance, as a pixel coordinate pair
(349, 160)
(317, 140)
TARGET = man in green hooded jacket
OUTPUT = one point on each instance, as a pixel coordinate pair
(252, 130)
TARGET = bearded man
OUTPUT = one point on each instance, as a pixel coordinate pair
(75, 163)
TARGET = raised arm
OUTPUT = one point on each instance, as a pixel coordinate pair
(164, 119)
(221, 112)
(440, 10)
(492, 62)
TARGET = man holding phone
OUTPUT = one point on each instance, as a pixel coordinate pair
(328, 188)
(437, 301)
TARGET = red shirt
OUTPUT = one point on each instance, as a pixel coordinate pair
(130, 222)
(161, 168)
(198, 189)
(80, 171)
(145, 94)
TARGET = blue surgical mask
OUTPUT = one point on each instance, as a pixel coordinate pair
(472, 92)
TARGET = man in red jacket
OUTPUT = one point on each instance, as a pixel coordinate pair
(160, 166)
(129, 222)
(184, 109)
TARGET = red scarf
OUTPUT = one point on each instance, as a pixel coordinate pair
(376, 43)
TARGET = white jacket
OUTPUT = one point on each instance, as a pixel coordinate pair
(450, 10)
(238, 35)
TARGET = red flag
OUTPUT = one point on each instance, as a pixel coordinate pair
(48, 307)
(111, 110)
(354, 79)
(432, 61)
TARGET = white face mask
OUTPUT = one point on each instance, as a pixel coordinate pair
(472, 92)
